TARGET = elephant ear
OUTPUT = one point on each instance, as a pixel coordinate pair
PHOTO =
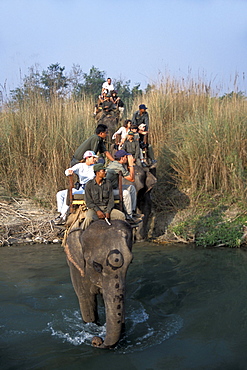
(150, 181)
(73, 250)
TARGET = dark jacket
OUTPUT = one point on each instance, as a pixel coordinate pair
(137, 119)
(99, 197)
(132, 147)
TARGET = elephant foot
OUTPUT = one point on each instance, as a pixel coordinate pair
(97, 341)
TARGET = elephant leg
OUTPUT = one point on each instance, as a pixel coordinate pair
(87, 295)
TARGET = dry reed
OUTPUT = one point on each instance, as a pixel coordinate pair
(200, 139)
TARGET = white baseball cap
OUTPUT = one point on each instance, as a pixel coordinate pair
(89, 153)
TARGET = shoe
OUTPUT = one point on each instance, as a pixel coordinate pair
(133, 220)
(56, 219)
(60, 220)
(137, 215)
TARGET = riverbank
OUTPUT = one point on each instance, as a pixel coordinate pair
(209, 224)
(23, 221)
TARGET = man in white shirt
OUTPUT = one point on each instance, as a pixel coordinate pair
(107, 85)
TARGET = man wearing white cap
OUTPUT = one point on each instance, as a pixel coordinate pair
(85, 172)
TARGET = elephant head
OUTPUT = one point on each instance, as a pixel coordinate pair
(99, 258)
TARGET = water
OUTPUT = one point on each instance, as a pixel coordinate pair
(186, 309)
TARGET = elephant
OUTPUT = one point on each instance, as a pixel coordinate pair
(111, 121)
(98, 259)
(144, 181)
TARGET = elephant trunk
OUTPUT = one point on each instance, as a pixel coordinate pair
(114, 309)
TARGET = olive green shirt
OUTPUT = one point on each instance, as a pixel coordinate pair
(99, 197)
(113, 170)
(94, 143)
(132, 147)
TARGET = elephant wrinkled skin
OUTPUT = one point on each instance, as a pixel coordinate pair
(98, 259)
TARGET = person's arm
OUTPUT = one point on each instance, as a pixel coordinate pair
(137, 150)
(110, 204)
(94, 144)
(109, 156)
(131, 176)
(134, 118)
(146, 121)
(124, 146)
(118, 132)
(74, 169)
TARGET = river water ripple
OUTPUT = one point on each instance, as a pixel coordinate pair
(185, 309)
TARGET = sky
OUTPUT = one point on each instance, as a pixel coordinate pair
(138, 40)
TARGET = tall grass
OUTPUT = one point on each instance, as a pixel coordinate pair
(200, 140)
(37, 142)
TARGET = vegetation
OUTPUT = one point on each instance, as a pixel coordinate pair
(200, 140)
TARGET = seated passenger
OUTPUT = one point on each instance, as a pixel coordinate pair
(85, 172)
(100, 199)
(146, 148)
(118, 102)
(129, 191)
(108, 106)
(132, 146)
(107, 85)
(134, 129)
(98, 106)
(122, 132)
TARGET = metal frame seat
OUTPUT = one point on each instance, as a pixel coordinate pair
(78, 199)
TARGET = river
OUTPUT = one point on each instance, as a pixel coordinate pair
(186, 309)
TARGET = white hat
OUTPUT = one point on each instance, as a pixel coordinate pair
(89, 153)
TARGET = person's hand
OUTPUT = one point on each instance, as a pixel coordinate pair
(70, 172)
(107, 215)
(100, 214)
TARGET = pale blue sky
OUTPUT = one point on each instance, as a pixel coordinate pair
(132, 39)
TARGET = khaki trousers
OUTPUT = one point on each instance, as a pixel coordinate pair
(91, 216)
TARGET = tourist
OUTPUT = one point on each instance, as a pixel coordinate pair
(107, 85)
(84, 171)
(94, 143)
(129, 191)
(100, 199)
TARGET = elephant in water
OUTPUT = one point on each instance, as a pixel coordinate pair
(98, 259)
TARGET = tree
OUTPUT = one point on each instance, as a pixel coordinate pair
(92, 82)
(53, 81)
(48, 83)
(233, 95)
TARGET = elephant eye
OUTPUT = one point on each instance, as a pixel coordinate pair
(115, 259)
(97, 266)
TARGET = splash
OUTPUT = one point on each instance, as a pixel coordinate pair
(142, 330)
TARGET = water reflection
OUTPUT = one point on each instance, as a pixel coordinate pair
(186, 309)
